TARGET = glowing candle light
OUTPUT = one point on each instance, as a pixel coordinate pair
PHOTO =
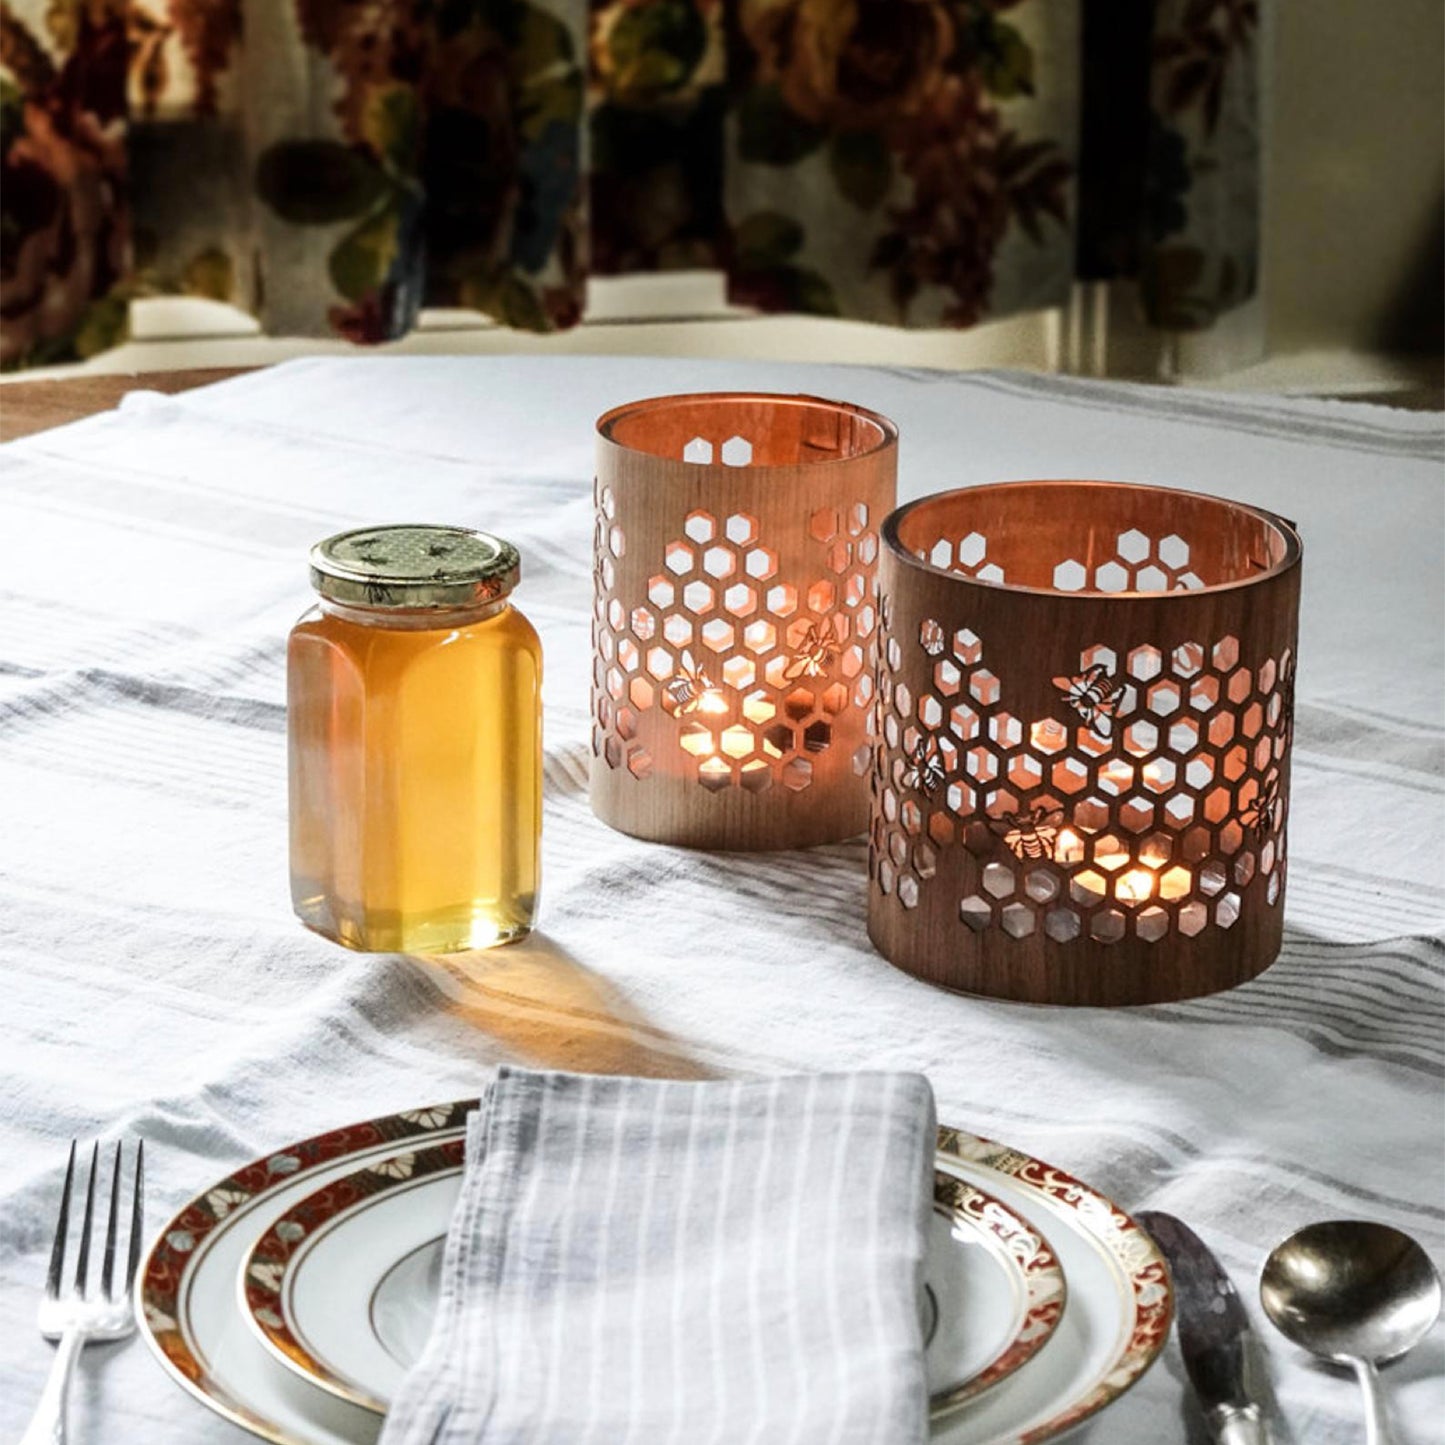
(1175, 883)
(1135, 886)
(699, 742)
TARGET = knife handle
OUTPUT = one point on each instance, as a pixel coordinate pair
(1238, 1425)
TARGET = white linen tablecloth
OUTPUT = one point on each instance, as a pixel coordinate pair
(153, 980)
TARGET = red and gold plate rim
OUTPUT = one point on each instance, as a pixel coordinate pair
(161, 1284)
(263, 1285)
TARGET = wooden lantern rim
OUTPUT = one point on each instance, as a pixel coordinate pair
(609, 421)
(1283, 529)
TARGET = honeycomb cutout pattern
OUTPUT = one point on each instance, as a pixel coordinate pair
(753, 668)
(1139, 564)
(1144, 806)
(734, 452)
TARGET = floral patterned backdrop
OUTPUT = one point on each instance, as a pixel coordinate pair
(334, 165)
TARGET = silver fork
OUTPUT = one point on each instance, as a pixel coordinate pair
(78, 1316)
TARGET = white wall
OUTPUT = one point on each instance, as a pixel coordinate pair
(1353, 254)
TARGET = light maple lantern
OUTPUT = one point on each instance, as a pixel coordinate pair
(736, 556)
(1085, 704)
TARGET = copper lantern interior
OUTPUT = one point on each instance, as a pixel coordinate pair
(742, 430)
(1100, 537)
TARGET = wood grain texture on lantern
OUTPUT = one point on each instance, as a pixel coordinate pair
(1079, 795)
(736, 556)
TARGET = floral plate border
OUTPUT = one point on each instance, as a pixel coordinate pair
(1046, 1291)
(160, 1285)
(263, 1286)
(1132, 1248)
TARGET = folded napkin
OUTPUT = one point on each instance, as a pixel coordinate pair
(638, 1262)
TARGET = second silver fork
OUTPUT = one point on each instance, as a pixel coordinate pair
(76, 1316)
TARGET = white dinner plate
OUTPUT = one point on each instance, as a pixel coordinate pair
(342, 1288)
(1114, 1323)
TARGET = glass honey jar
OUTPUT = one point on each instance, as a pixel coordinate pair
(415, 731)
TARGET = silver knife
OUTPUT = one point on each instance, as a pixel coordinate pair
(1213, 1331)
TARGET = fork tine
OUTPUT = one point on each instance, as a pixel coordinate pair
(137, 1215)
(62, 1228)
(82, 1265)
(107, 1264)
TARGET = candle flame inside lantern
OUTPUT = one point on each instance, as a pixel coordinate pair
(1135, 886)
(701, 741)
(1132, 886)
(715, 749)
(1138, 882)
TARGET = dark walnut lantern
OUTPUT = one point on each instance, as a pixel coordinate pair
(736, 556)
(1085, 706)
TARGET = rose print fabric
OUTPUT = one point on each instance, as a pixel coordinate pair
(334, 165)
(1170, 149)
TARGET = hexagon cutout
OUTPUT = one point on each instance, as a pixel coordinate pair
(1111, 577)
(1174, 552)
(1070, 576)
(1133, 545)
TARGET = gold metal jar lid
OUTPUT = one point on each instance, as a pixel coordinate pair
(414, 566)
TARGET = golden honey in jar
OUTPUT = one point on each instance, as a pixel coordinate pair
(414, 719)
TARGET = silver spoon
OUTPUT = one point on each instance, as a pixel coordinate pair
(1357, 1293)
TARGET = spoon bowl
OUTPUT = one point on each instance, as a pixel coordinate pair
(1357, 1293)
(1351, 1290)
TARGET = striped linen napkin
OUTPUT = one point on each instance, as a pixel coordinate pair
(645, 1261)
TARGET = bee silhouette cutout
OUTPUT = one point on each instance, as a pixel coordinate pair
(815, 651)
(686, 689)
(1262, 815)
(1097, 697)
(925, 772)
(1032, 835)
